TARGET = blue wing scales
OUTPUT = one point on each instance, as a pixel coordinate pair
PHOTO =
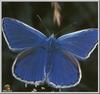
(20, 36)
(64, 70)
(80, 43)
(29, 65)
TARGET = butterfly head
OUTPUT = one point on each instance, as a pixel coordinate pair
(51, 42)
(52, 37)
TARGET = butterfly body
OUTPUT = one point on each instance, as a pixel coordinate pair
(48, 59)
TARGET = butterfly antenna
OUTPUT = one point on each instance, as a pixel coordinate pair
(69, 26)
(57, 33)
(43, 24)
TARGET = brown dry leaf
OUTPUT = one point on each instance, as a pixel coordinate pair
(7, 88)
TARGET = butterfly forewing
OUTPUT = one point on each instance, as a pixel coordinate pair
(80, 43)
(20, 36)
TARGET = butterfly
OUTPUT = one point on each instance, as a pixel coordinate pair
(48, 59)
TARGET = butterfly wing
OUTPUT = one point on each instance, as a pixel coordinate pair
(20, 36)
(29, 66)
(64, 70)
(80, 43)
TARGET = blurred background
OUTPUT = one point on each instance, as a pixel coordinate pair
(60, 18)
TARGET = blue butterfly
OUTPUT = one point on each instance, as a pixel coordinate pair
(51, 60)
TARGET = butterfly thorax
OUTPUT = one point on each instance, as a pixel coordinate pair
(51, 42)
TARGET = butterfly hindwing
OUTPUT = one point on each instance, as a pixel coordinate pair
(80, 43)
(20, 36)
(64, 70)
(29, 65)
